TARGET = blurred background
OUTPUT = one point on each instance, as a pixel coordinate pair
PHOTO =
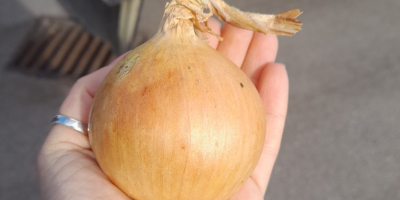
(342, 136)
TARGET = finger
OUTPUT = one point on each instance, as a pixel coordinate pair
(235, 44)
(262, 50)
(273, 88)
(249, 191)
(79, 100)
(216, 28)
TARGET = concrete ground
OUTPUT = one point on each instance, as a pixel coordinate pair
(342, 137)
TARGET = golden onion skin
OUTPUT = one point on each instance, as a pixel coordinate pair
(176, 120)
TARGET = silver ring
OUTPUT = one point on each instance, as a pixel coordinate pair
(73, 123)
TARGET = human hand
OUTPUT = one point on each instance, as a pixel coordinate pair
(68, 169)
(255, 54)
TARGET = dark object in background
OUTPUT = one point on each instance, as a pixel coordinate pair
(61, 47)
(112, 2)
(129, 12)
(97, 17)
(112, 20)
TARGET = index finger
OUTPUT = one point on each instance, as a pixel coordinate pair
(215, 26)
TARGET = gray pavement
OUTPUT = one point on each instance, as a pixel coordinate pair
(342, 136)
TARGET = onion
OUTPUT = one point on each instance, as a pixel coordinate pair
(175, 119)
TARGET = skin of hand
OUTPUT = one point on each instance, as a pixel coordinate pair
(66, 164)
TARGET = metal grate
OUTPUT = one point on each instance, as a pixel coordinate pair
(58, 46)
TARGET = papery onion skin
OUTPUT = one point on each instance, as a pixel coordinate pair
(177, 121)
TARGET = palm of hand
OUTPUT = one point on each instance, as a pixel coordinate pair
(68, 169)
